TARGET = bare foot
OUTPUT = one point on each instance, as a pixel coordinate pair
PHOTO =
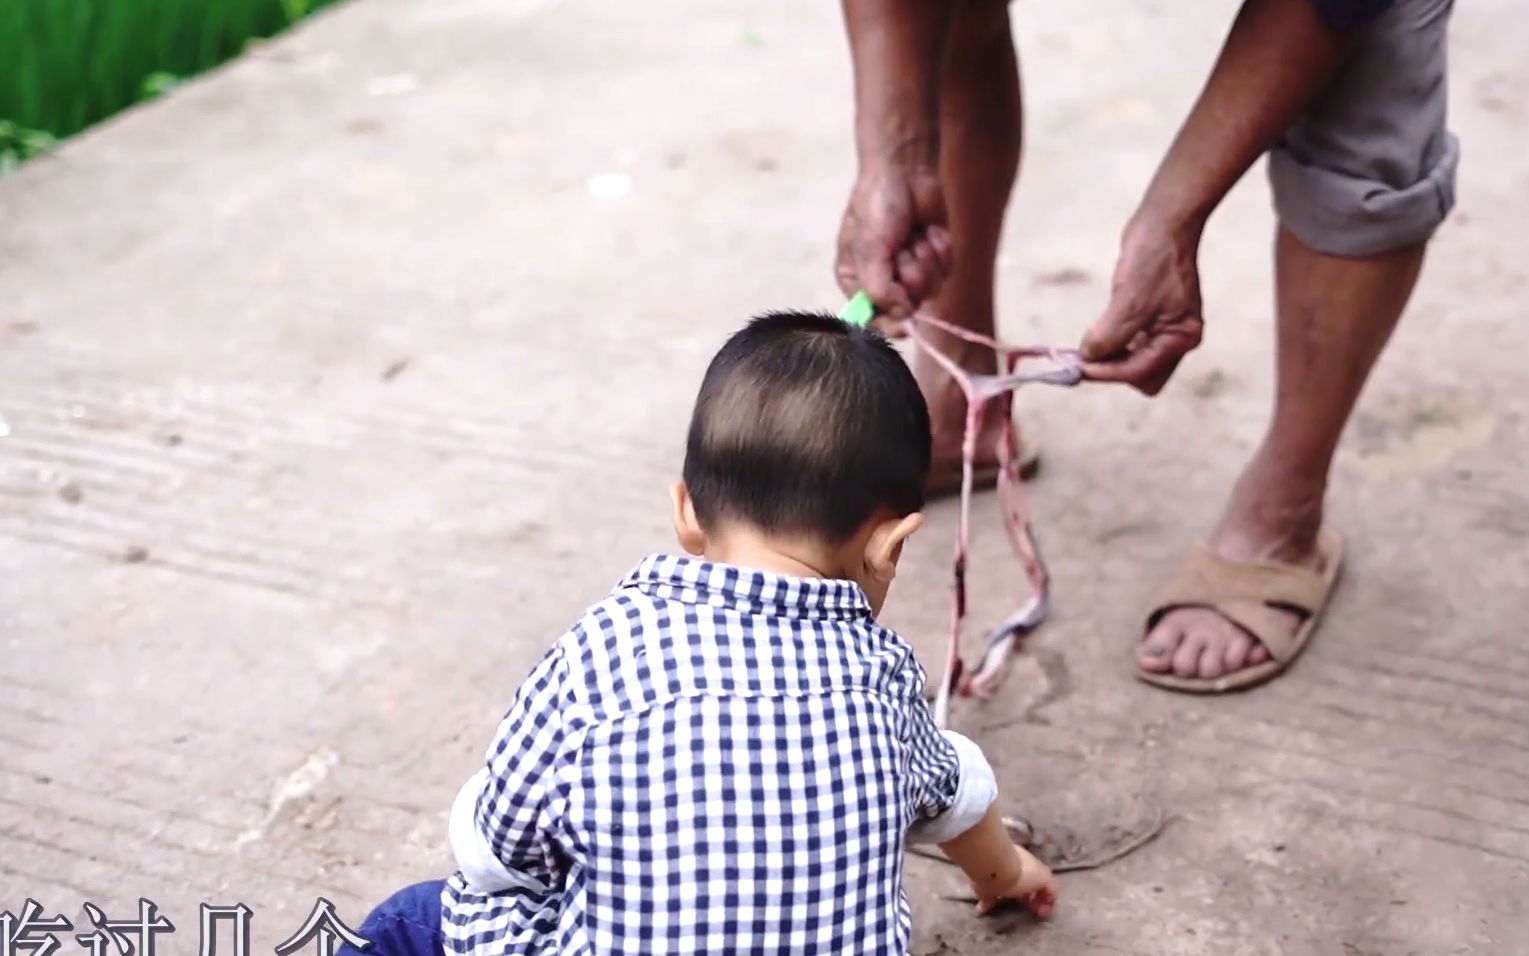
(1265, 521)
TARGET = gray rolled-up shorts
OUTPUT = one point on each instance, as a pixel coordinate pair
(1371, 166)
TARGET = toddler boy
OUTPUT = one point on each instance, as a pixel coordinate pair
(729, 754)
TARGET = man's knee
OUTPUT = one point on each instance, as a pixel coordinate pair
(1371, 167)
(1347, 212)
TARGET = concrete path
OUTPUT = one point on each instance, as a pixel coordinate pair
(332, 387)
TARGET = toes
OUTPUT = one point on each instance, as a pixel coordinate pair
(1238, 647)
(1186, 660)
(1195, 643)
(1214, 654)
(1228, 648)
(1156, 653)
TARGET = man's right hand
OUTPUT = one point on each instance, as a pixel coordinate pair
(893, 242)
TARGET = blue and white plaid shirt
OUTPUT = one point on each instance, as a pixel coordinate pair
(714, 760)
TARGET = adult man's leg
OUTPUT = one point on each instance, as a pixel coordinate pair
(981, 134)
(1360, 184)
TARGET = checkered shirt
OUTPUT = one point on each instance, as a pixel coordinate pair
(713, 760)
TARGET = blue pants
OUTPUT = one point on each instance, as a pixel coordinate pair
(408, 923)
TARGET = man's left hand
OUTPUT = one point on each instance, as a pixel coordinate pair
(1153, 318)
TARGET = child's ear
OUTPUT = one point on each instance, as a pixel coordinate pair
(885, 545)
(686, 528)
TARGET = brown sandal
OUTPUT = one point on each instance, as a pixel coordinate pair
(1250, 595)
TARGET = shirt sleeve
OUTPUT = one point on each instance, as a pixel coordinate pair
(494, 824)
(1347, 14)
(953, 784)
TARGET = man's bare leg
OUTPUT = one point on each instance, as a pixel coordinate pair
(1334, 316)
(981, 132)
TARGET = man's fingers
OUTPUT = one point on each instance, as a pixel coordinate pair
(921, 268)
(944, 247)
(890, 327)
(1165, 352)
(844, 253)
(1147, 369)
(919, 271)
(844, 275)
(877, 279)
(929, 263)
(1130, 369)
(1154, 384)
(935, 263)
(1103, 342)
(1108, 337)
(863, 264)
(912, 275)
(849, 284)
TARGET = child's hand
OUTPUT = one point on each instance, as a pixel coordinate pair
(999, 869)
(1035, 888)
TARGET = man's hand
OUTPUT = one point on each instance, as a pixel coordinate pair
(1153, 318)
(1035, 888)
(893, 242)
(1277, 58)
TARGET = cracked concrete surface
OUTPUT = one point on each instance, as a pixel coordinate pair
(335, 384)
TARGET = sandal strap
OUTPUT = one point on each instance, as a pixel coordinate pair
(1249, 594)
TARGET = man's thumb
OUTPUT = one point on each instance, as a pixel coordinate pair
(1109, 335)
(876, 279)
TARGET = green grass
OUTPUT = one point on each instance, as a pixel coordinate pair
(65, 64)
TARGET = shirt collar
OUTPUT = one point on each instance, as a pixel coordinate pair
(747, 590)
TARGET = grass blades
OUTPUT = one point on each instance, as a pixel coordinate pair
(65, 64)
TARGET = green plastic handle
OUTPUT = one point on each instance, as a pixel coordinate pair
(860, 310)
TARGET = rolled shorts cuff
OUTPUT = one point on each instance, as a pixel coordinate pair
(1340, 214)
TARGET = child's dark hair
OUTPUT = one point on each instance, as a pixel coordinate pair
(807, 425)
